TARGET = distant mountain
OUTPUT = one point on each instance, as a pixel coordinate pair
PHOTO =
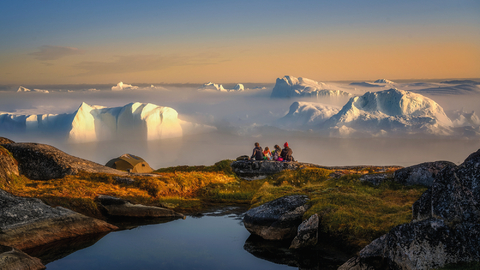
(390, 111)
(452, 89)
(307, 115)
(289, 86)
(134, 121)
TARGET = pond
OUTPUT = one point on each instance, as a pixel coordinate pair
(212, 240)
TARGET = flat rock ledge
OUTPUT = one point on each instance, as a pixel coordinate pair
(43, 162)
(28, 222)
(278, 219)
(14, 259)
(121, 208)
(445, 227)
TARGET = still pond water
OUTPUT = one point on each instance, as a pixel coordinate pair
(213, 240)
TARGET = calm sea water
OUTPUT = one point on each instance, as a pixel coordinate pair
(213, 240)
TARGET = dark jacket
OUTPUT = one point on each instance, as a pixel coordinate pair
(287, 154)
(257, 153)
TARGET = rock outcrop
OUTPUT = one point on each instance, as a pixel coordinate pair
(4, 140)
(42, 162)
(27, 222)
(421, 174)
(307, 233)
(14, 259)
(8, 165)
(259, 169)
(445, 227)
(121, 208)
(278, 219)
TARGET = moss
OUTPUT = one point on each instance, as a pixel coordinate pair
(221, 166)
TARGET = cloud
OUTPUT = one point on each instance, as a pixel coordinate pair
(49, 52)
(136, 63)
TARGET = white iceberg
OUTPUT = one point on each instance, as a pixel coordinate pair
(289, 86)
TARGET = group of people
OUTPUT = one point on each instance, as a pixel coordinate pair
(277, 154)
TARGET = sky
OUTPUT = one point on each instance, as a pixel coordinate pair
(76, 42)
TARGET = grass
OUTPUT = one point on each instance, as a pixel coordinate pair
(353, 211)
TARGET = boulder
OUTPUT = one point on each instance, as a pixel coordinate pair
(445, 227)
(42, 162)
(278, 219)
(259, 169)
(121, 208)
(28, 222)
(8, 165)
(421, 174)
(375, 179)
(307, 233)
(14, 259)
(427, 244)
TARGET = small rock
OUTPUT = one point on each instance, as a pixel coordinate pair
(122, 208)
(375, 179)
(307, 233)
(11, 258)
(278, 219)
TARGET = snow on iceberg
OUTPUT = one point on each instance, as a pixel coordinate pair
(134, 121)
(121, 86)
(462, 118)
(391, 111)
(307, 115)
(289, 86)
(239, 88)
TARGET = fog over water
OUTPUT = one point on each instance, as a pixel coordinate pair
(241, 119)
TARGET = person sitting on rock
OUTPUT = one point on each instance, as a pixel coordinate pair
(287, 153)
(257, 152)
(267, 155)
(276, 152)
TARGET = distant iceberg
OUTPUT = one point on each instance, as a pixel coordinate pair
(289, 86)
(121, 86)
(24, 89)
(134, 121)
(210, 86)
(384, 81)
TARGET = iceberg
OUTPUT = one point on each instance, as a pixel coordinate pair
(391, 111)
(24, 89)
(289, 86)
(384, 81)
(121, 86)
(213, 87)
(134, 121)
(307, 115)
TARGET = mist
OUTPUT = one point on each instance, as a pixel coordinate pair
(241, 119)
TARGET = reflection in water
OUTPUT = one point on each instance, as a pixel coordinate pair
(62, 248)
(320, 257)
(215, 239)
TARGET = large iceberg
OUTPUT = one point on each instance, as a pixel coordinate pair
(24, 89)
(134, 121)
(289, 86)
(391, 111)
(307, 115)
